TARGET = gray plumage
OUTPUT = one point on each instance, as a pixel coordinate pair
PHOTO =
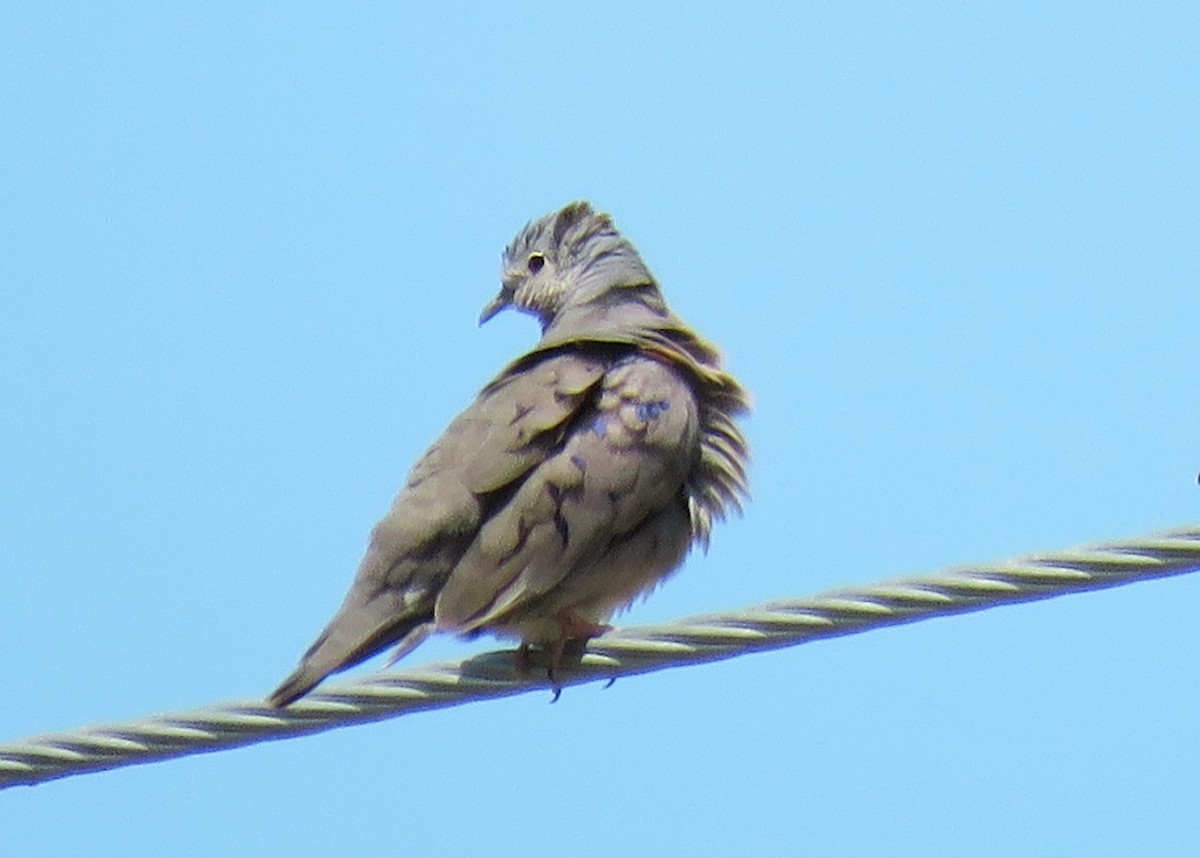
(576, 481)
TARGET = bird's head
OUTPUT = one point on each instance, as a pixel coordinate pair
(568, 259)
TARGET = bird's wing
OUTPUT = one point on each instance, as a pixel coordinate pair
(512, 427)
(623, 463)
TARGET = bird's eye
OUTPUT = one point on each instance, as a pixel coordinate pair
(535, 262)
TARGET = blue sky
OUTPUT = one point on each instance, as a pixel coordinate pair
(951, 250)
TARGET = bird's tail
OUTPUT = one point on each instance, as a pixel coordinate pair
(356, 633)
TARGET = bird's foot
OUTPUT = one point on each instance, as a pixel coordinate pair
(523, 665)
(573, 626)
(574, 631)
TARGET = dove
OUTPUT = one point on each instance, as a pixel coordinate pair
(576, 482)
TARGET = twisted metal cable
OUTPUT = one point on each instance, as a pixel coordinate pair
(622, 652)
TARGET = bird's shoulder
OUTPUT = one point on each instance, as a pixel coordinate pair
(513, 421)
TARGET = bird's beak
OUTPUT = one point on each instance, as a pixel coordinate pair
(495, 305)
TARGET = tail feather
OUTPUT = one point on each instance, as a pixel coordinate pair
(302, 681)
(355, 634)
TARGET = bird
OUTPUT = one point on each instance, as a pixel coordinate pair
(577, 480)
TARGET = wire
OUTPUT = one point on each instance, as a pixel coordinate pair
(621, 652)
